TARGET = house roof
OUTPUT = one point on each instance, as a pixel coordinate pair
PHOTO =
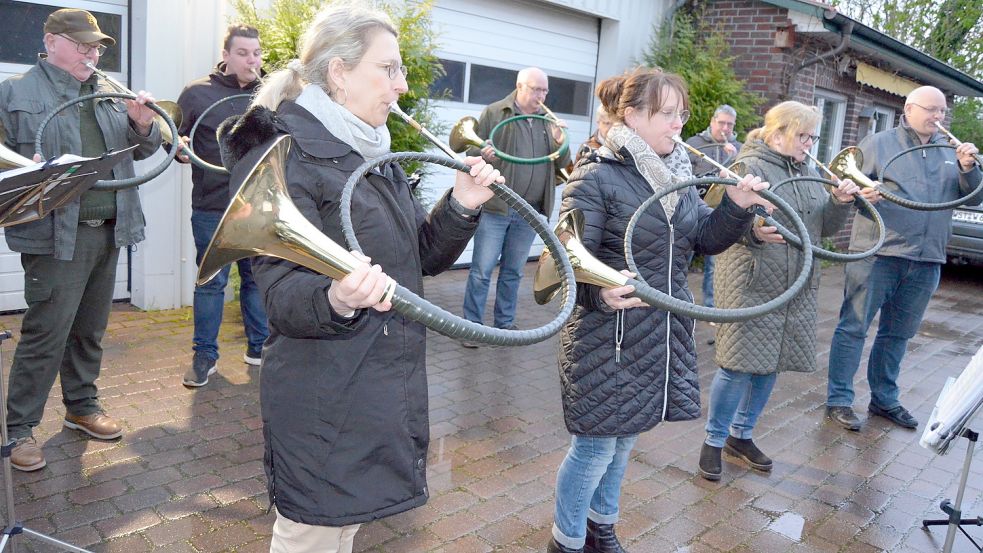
(878, 45)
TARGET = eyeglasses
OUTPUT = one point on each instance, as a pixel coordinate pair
(84, 49)
(669, 115)
(393, 68)
(940, 111)
(537, 90)
(804, 138)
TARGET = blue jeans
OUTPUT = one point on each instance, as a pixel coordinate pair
(209, 298)
(708, 264)
(506, 236)
(900, 289)
(736, 401)
(593, 468)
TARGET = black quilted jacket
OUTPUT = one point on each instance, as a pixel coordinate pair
(653, 377)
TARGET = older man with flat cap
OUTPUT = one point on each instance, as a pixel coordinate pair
(69, 257)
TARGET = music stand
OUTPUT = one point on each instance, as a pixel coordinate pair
(959, 402)
(13, 527)
(32, 192)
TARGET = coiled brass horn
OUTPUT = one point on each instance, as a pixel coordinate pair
(262, 220)
(847, 164)
(586, 268)
(463, 135)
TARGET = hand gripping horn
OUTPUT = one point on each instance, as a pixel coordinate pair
(164, 119)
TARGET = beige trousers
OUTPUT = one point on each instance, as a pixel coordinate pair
(296, 537)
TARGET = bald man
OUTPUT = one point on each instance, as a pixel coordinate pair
(502, 233)
(900, 279)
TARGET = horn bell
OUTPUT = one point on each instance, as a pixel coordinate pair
(263, 220)
(463, 135)
(586, 268)
(10, 159)
(847, 164)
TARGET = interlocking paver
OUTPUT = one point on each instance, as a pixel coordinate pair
(187, 476)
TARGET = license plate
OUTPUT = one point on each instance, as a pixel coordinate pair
(968, 216)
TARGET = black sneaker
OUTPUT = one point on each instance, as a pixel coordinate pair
(843, 416)
(253, 357)
(745, 449)
(710, 463)
(201, 368)
(602, 539)
(899, 415)
(554, 547)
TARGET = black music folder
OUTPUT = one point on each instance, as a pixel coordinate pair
(29, 193)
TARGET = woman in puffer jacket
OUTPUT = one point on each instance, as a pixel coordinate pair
(761, 266)
(624, 366)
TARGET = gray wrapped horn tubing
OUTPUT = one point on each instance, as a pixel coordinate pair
(922, 206)
(418, 309)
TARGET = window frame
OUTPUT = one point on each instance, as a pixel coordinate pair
(114, 7)
(824, 100)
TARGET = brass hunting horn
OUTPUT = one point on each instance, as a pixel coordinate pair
(262, 220)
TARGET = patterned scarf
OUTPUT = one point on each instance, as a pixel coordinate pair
(659, 171)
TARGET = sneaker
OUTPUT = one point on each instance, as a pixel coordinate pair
(843, 416)
(746, 450)
(710, 467)
(253, 357)
(201, 368)
(601, 538)
(554, 547)
(98, 425)
(26, 455)
(898, 415)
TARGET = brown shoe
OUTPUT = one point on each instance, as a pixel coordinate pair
(97, 425)
(26, 455)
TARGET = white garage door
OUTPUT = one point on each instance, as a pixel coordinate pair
(21, 35)
(483, 43)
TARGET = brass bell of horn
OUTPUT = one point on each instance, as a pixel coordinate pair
(462, 135)
(587, 269)
(10, 159)
(263, 220)
(846, 165)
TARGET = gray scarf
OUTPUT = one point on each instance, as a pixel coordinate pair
(367, 140)
(658, 171)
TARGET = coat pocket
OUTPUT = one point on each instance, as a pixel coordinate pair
(27, 115)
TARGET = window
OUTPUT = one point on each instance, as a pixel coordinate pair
(490, 84)
(451, 85)
(882, 120)
(483, 84)
(22, 35)
(832, 109)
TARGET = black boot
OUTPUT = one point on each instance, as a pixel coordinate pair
(553, 547)
(601, 539)
(710, 463)
(745, 449)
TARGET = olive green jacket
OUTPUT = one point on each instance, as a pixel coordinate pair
(25, 100)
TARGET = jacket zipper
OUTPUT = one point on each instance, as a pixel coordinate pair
(619, 334)
(665, 391)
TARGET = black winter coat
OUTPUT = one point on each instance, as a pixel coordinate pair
(655, 378)
(344, 403)
(210, 190)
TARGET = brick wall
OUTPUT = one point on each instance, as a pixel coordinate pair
(749, 28)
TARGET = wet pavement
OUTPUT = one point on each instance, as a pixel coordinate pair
(187, 475)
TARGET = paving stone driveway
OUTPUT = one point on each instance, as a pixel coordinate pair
(187, 475)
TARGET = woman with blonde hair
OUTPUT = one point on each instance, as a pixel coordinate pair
(344, 387)
(759, 267)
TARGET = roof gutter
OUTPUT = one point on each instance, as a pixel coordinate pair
(846, 31)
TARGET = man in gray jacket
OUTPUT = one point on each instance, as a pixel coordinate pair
(501, 231)
(718, 142)
(70, 256)
(900, 279)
